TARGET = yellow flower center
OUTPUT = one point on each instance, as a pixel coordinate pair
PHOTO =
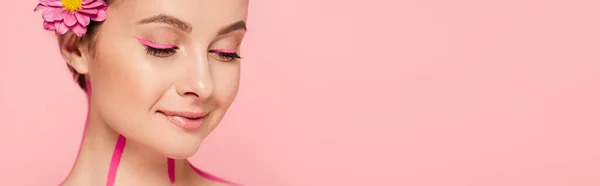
(72, 5)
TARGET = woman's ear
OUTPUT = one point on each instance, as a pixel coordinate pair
(74, 51)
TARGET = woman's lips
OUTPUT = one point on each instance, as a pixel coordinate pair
(186, 120)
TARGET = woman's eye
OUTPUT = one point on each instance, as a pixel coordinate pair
(225, 55)
(158, 50)
(162, 53)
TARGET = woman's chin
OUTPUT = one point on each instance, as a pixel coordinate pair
(180, 155)
(172, 144)
(179, 150)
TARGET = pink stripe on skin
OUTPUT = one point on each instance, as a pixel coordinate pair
(225, 50)
(157, 46)
(116, 159)
(171, 169)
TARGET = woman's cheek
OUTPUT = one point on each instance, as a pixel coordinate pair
(226, 83)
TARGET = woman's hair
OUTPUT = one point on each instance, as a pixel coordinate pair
(90, 38)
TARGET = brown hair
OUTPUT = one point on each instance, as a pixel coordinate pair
(90, 38)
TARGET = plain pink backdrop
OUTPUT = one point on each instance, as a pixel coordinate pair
(357, 93)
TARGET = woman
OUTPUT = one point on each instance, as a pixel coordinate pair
(160, 75)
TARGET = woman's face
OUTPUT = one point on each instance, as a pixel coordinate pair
(165, 71)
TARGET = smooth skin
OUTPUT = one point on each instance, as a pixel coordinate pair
(132, 84)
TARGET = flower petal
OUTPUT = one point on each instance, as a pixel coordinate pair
(54, 3)
(70, 20)
(61, 28)
(60, 14)
(101, 16)
(93, 5)
(50, 26)
(40, 7)
(48, 1)
(48, 15)
(88, 11)
(79, 30)
(85, 2)
(84, 20)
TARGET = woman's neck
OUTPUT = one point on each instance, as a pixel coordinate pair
(138, 165)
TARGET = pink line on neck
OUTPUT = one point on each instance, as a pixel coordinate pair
(116, 159)
(171, 169)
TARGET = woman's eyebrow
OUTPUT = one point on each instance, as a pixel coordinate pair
(181, 25)
(240, 25)
(167, 19)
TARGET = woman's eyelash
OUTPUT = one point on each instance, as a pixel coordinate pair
(159, 52)
(229, 55)
(226, 55)
(166, 52)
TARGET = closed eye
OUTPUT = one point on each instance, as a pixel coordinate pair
(226, 55)
(158, 50)
(162, 53)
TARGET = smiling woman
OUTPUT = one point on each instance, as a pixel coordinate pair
(160, 76)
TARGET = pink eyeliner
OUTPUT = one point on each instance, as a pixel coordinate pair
(157, 46)
(225, 50)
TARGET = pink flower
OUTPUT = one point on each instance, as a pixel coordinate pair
(64, 15)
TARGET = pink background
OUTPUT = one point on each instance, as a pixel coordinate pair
(357, 93)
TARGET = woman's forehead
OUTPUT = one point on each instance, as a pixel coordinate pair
(195, 13)
(185, 9)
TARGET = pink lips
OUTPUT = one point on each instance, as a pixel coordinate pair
(186, 120)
